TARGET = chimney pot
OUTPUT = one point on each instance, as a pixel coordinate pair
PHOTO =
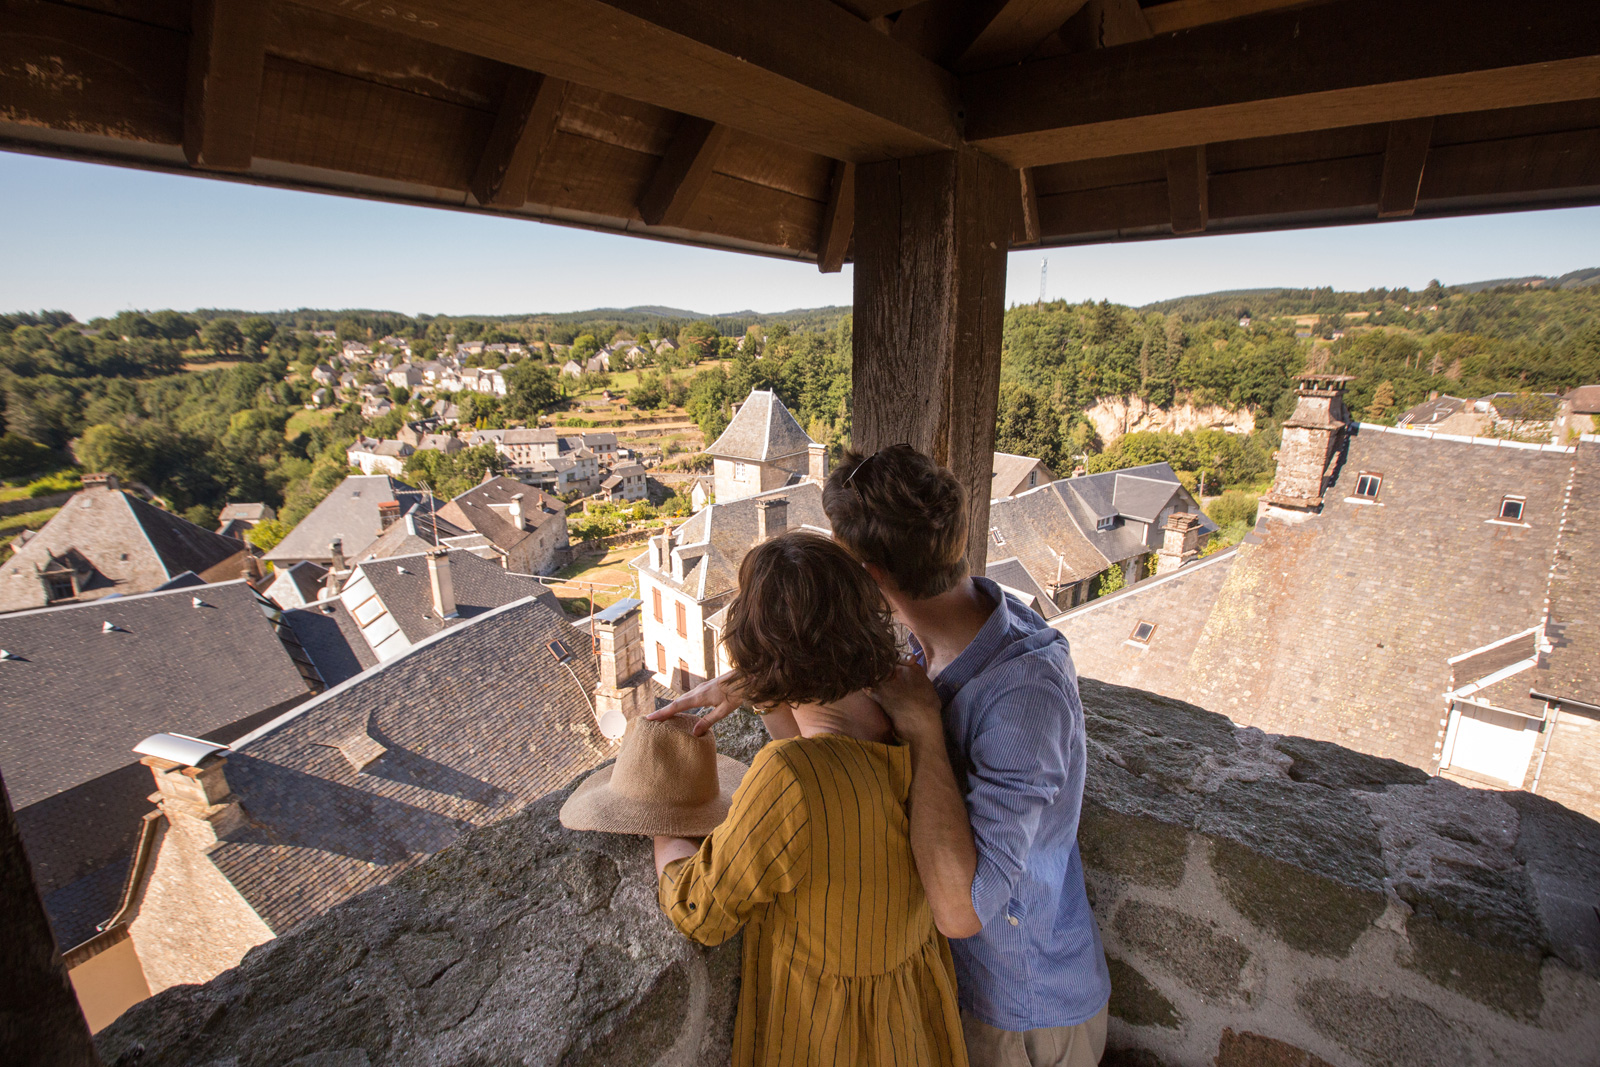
(516, 512)
(388, 514)
(336, 552)
(100, 481)
(817, 462)
(444, 593)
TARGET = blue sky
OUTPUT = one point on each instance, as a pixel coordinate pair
(94, 240)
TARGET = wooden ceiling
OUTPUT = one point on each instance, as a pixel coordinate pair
(737, 123)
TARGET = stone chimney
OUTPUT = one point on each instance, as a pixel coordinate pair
(444, 593)
(772, 519)
(661, 549)
(624, 690)
(817, 462)
(100, 481)
(516, 512)
(336, 554)
(196, 799)
(388, 514)
(1180, 541)
(1311, 437)
(251, 569)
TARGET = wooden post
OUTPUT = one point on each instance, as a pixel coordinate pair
(931, 235)
(40, 1021)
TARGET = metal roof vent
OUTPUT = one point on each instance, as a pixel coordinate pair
(401, 570)
(112, 628)
(6, 653)
(189, 751)
(197, 602)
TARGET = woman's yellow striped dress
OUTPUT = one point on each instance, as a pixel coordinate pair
(842, 963)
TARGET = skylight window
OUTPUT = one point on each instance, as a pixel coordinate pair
(1511, 508)
(1106, 523)
(1367, 485)
(1142, 632)
(999, 538)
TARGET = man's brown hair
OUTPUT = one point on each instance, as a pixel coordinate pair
(899, 510)
(809, 625)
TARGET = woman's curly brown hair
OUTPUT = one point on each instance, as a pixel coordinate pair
(809, 624)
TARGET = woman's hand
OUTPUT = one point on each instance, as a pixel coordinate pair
(912, 703)
(719, 694)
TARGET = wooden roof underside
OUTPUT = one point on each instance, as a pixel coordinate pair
(737, 124)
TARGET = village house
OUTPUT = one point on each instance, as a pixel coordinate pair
(522, 446)
(375, 407)
(106, 541)
(1392, 600)
(214, 660)
(626, 482)
(762, 448)
(347, 520)
(323, 374)
(236, 519)
(374, 456)
(1017, 474)
(526, 526)
(405, 376)
(248, 840)
(571, 369)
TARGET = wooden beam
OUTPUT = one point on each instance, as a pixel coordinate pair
(1188, 189)
(803, 72)
(683, 172)
(1342, 63)
(1010, 33)
(930, 281)
(1106, 24)
(227, 50)
(1403, 161)
(838, 220)
(1187, 14)
(522, 129)
(1027, 232)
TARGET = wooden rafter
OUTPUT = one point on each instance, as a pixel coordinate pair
(1027, 231)
(1011, 32)
(1188, 189)
(1403, 160)
(683, 172)
(1106, 24)
(227, 52)
(1187, 14)
(1336, 64)
(838, 219)
(522, 129)
(804, 72)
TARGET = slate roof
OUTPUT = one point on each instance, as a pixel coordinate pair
(349, 513)
(762, 431)
(713, 541)
(331, 638)
(414, 532)
(401, 583)
(306, 577)
(1585, 400)
(1010, 573)
(1011, 474)
(1429, 413)
(1339, 627)
(131, 546)
(475, 725)
(485, 508)
(250, 512)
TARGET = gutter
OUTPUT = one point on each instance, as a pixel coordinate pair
(115, 929)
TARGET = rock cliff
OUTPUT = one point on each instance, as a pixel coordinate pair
(1262, 900)
(1114, 416)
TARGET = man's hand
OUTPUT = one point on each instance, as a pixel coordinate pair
(719, 694)
(912, 703)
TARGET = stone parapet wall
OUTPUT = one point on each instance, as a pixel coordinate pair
(1263, 900)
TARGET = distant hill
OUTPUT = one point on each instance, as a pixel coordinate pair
(1327, 300)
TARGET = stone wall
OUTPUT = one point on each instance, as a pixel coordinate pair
(1263, 901)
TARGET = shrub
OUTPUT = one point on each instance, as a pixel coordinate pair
(1110, 580)
(1233, 506)
(59, 482)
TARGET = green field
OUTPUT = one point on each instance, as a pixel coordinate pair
(304, 421)
(12, 525)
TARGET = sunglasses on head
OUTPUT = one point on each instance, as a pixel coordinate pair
(851, 479)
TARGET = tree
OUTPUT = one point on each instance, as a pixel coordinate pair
(450, 476)
(222, 336)
(258, 333)
(531, 390)
(266, 535)
(1111, 579)
(1027, 426)
(584, 346)
(1382, 402)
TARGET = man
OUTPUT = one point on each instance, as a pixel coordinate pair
(998, 755)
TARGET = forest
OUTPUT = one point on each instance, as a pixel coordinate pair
(201, 406)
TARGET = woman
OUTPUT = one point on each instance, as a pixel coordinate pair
(842, 962)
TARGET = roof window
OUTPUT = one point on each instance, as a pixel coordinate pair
(1368, 484)
(1106, 523)
(999, 538)
(1511, 508)
(1142, 632)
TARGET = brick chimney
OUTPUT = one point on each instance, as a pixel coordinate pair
(817, 462)
(661, 549)
(624, 690)
(100, 481)
(772, 519)
(1180, 541)
(388, 514)
(1310, 439)
(444, 593)
(336, 554)
(516, 512)
(196, 799)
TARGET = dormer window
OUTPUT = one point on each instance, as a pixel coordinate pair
(1511, 508)
(1106, 523)
(1368, 484)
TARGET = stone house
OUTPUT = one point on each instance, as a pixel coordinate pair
(107, 541)
(1402, 595)
(347, 520)
(626, 482)
(405, 376)
(526, 527)
(689, 574)
(522, 446)
(1017, 474)
(375, 456)
(364, 782)
(763, 448)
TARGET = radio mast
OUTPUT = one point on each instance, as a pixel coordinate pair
(1044, 272)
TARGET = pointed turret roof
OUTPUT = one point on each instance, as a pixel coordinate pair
(762, 431)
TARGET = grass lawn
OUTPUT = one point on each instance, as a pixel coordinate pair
(613, 580)
(304, 421)
(28, 520)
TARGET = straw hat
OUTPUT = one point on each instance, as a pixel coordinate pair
(665, 781)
